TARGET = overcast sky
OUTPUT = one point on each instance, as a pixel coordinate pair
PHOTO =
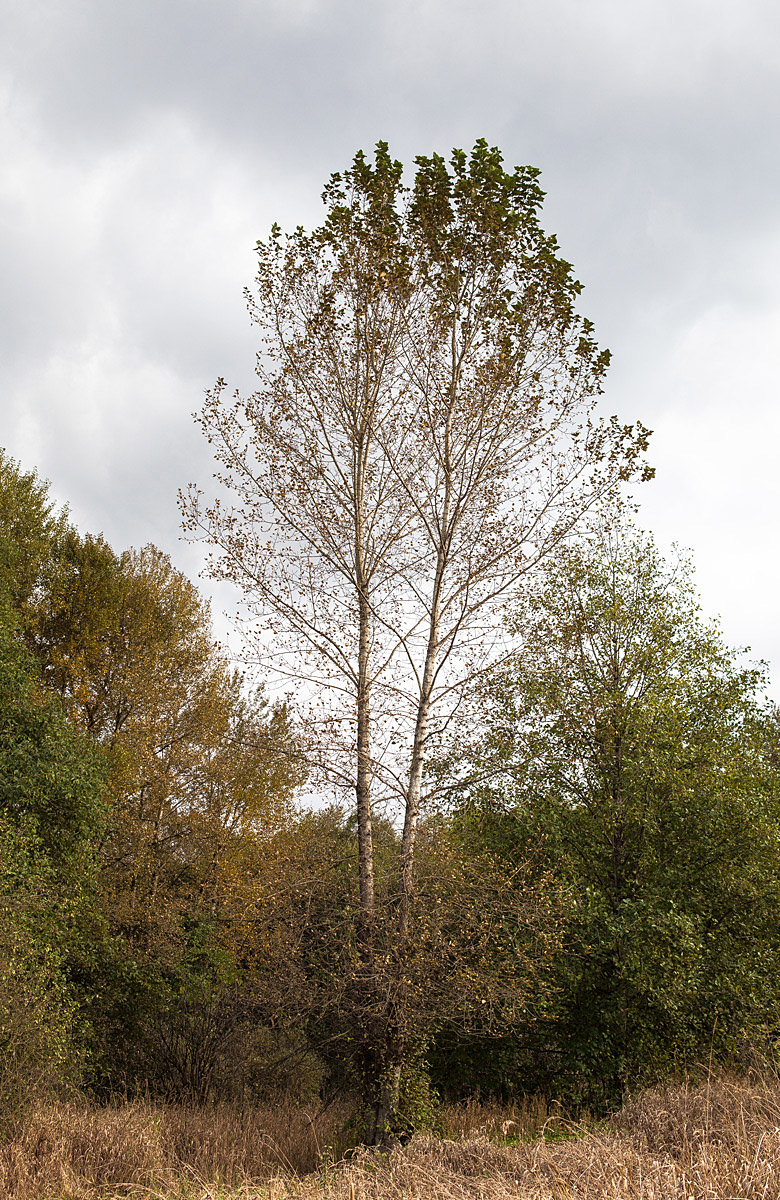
(147, 144)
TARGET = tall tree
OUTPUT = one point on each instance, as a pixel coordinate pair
(136, 765)
(126, 641)
(423, 435)
(51, 806)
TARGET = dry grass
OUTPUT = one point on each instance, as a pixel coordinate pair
(711, 1141)
(488, 1119)
(136, 1148)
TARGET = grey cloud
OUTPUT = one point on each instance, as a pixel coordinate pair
(148, 144)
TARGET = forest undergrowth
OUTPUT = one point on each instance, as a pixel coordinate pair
(715, 1139)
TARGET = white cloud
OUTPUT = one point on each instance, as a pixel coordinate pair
(715, 445)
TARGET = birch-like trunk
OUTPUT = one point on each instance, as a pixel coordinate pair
(363, 697)
(414, 787)
(417, 758)
(363, 775)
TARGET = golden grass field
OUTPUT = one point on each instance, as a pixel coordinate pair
(715, 1139)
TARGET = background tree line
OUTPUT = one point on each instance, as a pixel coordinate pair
(599, 895)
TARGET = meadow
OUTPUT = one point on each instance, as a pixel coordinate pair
(718, 1138)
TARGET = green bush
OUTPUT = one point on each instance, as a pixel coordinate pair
(41, 1038)
(629, 753)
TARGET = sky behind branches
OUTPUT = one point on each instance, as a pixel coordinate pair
(146, 146)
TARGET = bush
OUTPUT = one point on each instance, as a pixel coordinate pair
(40, 1044)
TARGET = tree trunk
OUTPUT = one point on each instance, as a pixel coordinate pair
(414, 787)
(385, 1129)
(363, 776)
